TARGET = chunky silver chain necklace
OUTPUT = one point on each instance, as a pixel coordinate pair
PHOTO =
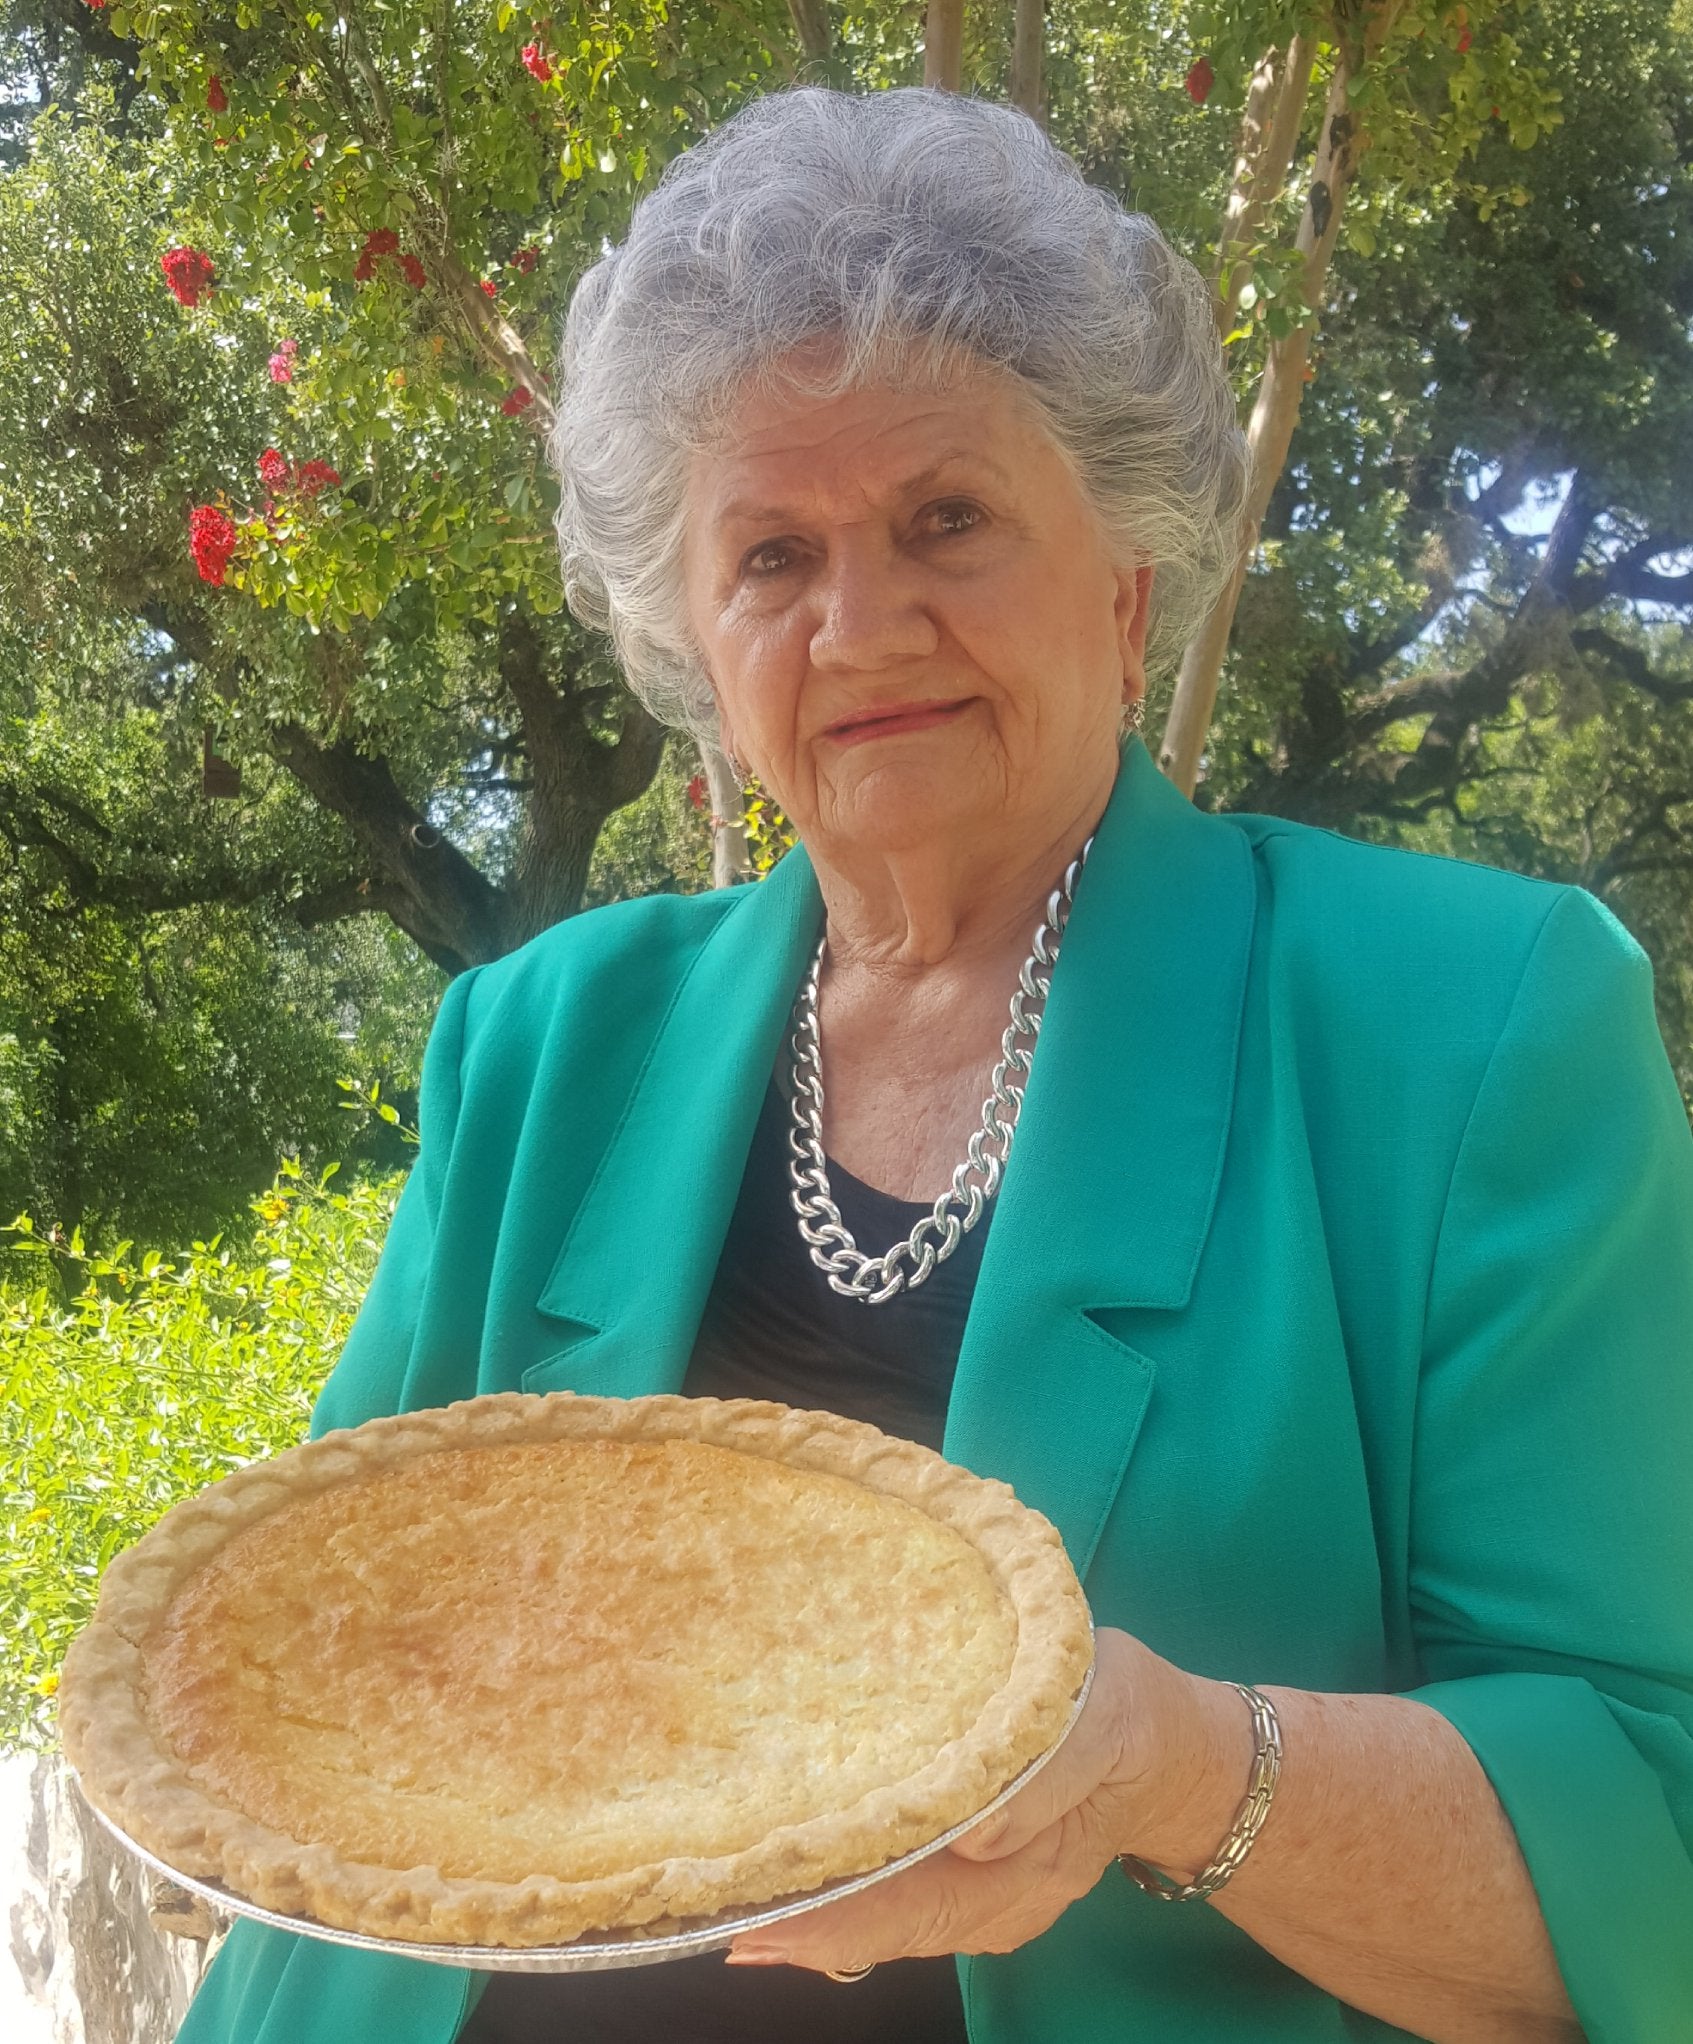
(874, 1279)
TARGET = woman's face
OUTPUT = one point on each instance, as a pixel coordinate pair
(909, 615)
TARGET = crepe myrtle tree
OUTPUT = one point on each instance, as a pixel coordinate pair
(376, 220)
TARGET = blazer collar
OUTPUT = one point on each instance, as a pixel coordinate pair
(1119, 1148)
(1106, 1200)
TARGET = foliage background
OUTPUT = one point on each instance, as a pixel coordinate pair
(246, 829)
(159, 1374)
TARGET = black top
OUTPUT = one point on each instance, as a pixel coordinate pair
(773, 1328)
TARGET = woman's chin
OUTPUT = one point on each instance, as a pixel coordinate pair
(893, 806)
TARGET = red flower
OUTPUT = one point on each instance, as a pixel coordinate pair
(1199, 80)
(188, 273)
(96, 4)
(1463, 42)
(282, 362)
(274, 470)
(381, 241)
(535, 62)
(696, 791)
(365, 268)
(489, 288)
(216, 98)
(315, 476)
(211, 540)
(412, 270)
(519, 401)
(525, 259)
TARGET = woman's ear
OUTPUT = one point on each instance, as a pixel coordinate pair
(726, 745)
(725, 730)
(1134, 593)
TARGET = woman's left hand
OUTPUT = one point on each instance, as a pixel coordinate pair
(1014, 1875)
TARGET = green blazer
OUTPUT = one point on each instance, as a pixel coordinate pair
(1338, 1310)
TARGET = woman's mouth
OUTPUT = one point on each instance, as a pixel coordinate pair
(895, 720)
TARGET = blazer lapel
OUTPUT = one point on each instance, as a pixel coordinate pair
(637, 1263)
(1113, 1175)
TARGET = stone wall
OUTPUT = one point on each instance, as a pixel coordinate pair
(85, 1921)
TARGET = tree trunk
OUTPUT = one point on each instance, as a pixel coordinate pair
(1276, 411)
(1027, 35)
(429, 887)
(731, 858)
(943, 45)
(577, 780)
(1269, 131)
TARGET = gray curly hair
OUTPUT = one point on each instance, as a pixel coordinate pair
(923, 235)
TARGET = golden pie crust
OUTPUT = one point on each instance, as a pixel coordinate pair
(525, 1667)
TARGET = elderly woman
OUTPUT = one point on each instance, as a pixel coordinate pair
(1337, 1302)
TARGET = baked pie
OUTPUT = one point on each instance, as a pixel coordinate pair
(524, 1668)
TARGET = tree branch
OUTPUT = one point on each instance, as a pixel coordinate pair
(1624, 578)
(811, 25)
(432, 890)
(1632, 663)
(1028, 35)
(1653, 822)
(336, 904)
(943, 45)
(137, 892)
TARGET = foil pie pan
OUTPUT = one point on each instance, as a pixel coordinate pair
(599, 1951)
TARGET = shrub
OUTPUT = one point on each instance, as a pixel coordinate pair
(160, 1374)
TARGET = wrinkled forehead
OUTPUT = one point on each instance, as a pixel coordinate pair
(901, 424)
(829, 367)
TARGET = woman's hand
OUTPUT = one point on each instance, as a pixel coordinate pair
(1015, 1874)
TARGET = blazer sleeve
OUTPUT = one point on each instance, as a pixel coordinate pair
(370, 1376)
(1551, 1561)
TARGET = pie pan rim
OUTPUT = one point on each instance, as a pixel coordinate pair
(139, 1785)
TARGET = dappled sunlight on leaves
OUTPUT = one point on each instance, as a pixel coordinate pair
(158, 1374)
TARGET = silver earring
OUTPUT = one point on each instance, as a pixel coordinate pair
(1134, 715)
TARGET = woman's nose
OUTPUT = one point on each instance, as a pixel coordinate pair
(871, 612)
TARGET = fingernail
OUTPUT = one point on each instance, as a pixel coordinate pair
(755, 1955)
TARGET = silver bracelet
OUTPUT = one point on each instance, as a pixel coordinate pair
(1248, 1821)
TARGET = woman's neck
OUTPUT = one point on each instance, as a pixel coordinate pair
(948, 908)
(922, 960)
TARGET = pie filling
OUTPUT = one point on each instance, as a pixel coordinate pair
(575, 1657)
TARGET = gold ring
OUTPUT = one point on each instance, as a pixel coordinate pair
(851, 1974)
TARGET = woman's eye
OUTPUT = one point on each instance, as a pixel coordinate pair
(957, 517)
(769, 559)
